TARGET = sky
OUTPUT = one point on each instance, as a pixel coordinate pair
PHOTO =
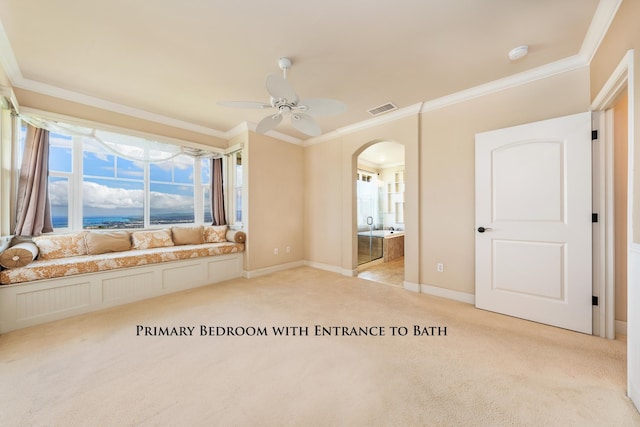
(114, 186)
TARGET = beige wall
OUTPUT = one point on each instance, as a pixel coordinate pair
(323, 208)
(72, 109)
(447, 166)
(275, 206)
(440, 181)
(330, 188)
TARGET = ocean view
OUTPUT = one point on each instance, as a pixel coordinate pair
(123, 222)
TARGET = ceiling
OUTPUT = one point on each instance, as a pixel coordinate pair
(177, 59)
(383, 154)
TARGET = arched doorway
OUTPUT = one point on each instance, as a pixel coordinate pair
(380, 213)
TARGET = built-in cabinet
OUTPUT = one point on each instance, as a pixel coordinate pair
(394, 209)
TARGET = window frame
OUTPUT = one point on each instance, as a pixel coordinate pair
(76, 177)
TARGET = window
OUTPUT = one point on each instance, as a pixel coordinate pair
(205, 189)
(91, 186)
(171, 191)
(235, 184)
(112, 189)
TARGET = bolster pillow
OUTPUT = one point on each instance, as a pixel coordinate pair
(19, 255)
(236, 236)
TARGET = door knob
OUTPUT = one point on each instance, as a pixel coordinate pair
(483, 229)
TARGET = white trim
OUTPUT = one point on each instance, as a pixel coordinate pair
(385, 118)
(600, 24)
(326, 267)
(322, 138)
(275, 134)
(621, 327)
(355, 127)
(618, 81)
(448, 293)
(92, 101)
(410, 286)
(273, 269)
(615, 83)
(349, 272)
(562, 66)
(237, 130)
(8, 58)
(10, 98)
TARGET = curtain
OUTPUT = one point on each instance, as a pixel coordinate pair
(33, 216)
(217, 193)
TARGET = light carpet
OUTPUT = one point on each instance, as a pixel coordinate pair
(488, 370)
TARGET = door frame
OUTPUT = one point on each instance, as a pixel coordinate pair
(604, 238)
(623, 78)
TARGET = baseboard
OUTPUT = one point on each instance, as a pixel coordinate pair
(410, 286)
(349, 272)
(326, 267)
(621, 327)
(448, 293)
(273, 269)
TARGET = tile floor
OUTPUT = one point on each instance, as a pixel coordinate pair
(390, 273)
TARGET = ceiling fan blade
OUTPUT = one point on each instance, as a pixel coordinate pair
(268, 123)
(279, 88)
(322, 106)
(244, 104)
(305, 124)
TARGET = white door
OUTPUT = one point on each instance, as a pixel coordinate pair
(533, 222)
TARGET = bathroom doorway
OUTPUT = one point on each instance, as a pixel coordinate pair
(380, 213)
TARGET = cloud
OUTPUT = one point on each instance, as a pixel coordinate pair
(100, 196)
(58, 193)
(170, 201)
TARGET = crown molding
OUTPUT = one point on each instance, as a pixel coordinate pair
(376, 121)
(275, 134)
(8, 58)
(548, 70)
(598, 28)
(602, 19)
(238, 130)
(92, 101)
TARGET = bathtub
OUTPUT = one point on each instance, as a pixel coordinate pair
(387, 234)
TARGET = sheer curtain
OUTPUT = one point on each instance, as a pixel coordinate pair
(217, 193)
(33, 216)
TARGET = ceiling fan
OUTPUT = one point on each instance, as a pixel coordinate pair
(286, 102)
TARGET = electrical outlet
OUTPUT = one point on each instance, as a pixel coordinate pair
(275, 251)
(288, 249)
(440, 267)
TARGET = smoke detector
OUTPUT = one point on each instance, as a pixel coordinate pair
(518, 52)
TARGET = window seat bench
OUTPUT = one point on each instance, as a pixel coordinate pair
(52, 289)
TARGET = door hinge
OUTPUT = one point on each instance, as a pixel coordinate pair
(594, 217)
(594, 300)
(594, 135)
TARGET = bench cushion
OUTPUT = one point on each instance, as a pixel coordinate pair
(59, 267)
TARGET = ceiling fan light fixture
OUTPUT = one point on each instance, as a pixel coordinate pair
(285, 101)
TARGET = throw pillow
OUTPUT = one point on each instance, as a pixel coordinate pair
(151, 239)
(215, 233)
(61, 245)
(19, 255)
(107, 241)
(188, 235)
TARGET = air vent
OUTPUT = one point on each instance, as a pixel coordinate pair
(381, 109)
